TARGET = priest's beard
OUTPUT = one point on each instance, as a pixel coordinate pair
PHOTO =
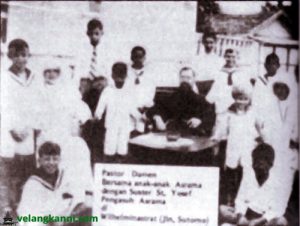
(185, 89)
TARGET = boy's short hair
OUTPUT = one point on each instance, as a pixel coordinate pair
(17, 45)
(241, 91)
(93, 24)
(230, 51)
(187, 69)
(49, 148)
(209, 34)
(138, 48)
(272, 58)
(119, 69)
(264, 151)
(281, 84)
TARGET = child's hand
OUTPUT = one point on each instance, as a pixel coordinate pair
(194, 123)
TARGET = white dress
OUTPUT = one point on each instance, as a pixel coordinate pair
(241, 133)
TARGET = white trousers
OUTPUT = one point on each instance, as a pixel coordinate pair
(116, 141)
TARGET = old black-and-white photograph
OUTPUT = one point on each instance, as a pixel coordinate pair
(126, 113)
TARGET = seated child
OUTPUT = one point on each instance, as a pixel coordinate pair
(48, 190)
(74, 150)
(118, 102)
(261, 199)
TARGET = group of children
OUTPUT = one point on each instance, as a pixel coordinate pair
(258, 121)
(41, 145)
(41, 140)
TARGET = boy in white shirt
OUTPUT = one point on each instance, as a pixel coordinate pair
(262, 197)
(143, 85)
(208, 63)
(262, 84)
(118, 102)
(50, 189)
(20, 105)
(74, 150)
(220, 92)
(263, 98)
(93, 63)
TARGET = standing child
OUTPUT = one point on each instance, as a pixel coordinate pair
(263, 98)
(20, 104)
(208, 63)
(118, 102)
(240, 130)
(92, 62)
(220, 92)
(143, 85)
